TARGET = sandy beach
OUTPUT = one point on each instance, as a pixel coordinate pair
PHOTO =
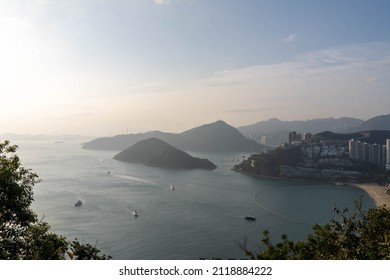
(376, 192)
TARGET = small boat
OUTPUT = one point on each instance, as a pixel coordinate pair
(108, 172)
(78, 203)
(172, 188)
(250, 218)
(135, 213)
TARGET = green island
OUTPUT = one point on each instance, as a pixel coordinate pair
(154, 152)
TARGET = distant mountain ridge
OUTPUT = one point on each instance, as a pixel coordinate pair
(376, 123)
(219, 137)
(123, 141)
(216, 137)
(277, 130)
(157, 153)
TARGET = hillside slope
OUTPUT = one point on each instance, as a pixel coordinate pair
(156, 153)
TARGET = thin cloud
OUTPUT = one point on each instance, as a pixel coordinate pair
(161, 2)
(291, 38)
(365, 60)
(372, 80)
(338, 79)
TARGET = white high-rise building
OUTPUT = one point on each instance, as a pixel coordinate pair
(374, 153)
(388, 154)
(388, 150)
(353, 149)
(384, 154)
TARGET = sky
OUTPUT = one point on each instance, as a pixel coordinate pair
(101, 67)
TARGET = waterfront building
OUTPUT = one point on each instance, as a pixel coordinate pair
(384, 154)
(388, 151)
(388, 154)
(353, 149)
(365, 152)
(374, 153)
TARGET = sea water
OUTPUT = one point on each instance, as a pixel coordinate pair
(203, 217)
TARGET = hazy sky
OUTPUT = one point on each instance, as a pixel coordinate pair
(100, 67)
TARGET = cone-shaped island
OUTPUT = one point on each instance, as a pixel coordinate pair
(156, 153)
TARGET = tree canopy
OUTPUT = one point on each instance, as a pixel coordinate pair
(361, 235)
(22, 234)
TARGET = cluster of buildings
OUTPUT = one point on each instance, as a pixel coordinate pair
(329, 158)
(372, 153)
(334, 160)
(294, 137)
(356, 150)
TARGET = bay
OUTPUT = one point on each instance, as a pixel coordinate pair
(201, 218)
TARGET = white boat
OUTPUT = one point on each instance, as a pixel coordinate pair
(172, 188)
(78, 203)
(135, 213)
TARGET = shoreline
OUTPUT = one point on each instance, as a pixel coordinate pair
(377, 193)
(281, 178)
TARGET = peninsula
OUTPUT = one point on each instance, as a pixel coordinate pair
(157, 153)
(327, 157)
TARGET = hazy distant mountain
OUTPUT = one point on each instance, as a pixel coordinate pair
(277, 131)
(372, 136)
(217, 137)
(376, 123)
(121, 142)
(155, 152)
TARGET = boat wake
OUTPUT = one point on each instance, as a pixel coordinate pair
(134, 179)
(276, 213)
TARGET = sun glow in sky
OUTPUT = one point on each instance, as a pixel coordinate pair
(103, 67)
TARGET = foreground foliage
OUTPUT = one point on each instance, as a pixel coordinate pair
(362, 235)
(22, 234)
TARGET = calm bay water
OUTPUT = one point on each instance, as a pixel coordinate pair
(201, 218)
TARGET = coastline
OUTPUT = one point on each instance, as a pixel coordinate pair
(376, 192)
(280, 178)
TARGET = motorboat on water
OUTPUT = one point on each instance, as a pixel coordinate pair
(135, 213)
(78, 203)
(250, 218)
(172, 188)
